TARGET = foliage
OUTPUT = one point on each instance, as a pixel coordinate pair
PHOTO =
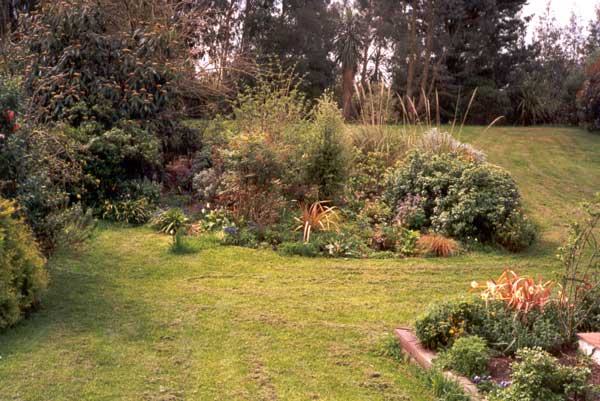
(443, 388)
(316, 217)
(506, 331)
(273, 103)
(580, 256)
(170, 221)
(178, 175)
(517, 233)
(130, 211)
(410, 213)
(298, 248)
(22, 274)
(443, 323)
(588, 98)
(459, 197)
(69, 53)
(240, 237)
(539, 376)
(440, 142)
(467, 356)
(519, 293)
(396, 239)
(437, 245)
(327, 158)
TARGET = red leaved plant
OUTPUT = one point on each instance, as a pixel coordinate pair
(316, 217)
(522, 294)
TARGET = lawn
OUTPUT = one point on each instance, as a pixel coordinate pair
(124, 319)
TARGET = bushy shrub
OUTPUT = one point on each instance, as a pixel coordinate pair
(79, 65)
(538, 375)
(130, 211)
(460, 197)
(517, 233)
(178, 175)
(240, 237)
(468, 356)
(443, 323)
(22, 274)
(327, 158)
(396, 239)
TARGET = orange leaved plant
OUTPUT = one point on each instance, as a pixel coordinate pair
(316, 217)
(521, 294)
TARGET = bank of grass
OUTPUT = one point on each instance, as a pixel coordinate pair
(126, 319)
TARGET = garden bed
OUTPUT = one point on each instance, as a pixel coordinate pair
(499, 367)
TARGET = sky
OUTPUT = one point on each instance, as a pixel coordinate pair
(562, 9)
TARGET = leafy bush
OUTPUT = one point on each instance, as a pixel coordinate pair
(443, 323)
(327, 159)
(395, 239)
(506, 332)
(170, 221)
(80, 65)
(468, 356)
(22, 274)
(460, 197)
(517, 233)
(240, 237)
(128, 211)
(298, 248)
(537, 375)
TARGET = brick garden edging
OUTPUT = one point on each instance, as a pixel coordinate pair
(418, 354)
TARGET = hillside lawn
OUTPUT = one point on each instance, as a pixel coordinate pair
(124, 319)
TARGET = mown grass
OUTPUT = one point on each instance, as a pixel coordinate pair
(126, 319)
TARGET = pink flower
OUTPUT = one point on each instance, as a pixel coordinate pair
(11, 115)
(16, 127)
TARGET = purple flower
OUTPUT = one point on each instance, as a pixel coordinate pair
(230, 230)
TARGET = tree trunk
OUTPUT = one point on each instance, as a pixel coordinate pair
(412, 51)
(347, 90)
(427, 58)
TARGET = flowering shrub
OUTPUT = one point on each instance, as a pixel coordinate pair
(409, 212)
(460, 197)
(444, 323)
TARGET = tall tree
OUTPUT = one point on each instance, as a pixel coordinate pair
(349, 43)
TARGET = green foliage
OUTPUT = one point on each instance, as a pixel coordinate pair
(240, 237)
(170, 221)
(117, 161)
(506, 332)
(79, 67)
(468, 356)
(327, 159)
(396, 239)
(443, 388)
(539, 376)
(298, 248)
(443, 323)
(272, 104)
(130, 211)
(461, 197)
(22, 274)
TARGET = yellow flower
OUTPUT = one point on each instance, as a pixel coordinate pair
(78, 196)
(451, 331)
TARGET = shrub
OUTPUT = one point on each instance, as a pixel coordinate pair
(170, 221)
(506, 332)
(539, 376)
(316, 217)
(517, 233)
(441, 142)
(240, 237)
(468, 356)
(410, 213)
(443, 388)
(437, 245)
(128, 211)
(22, 274)
(327, 158)
(178, 175)
(460, 197)
(443, 323)
(395, 239)
(298, 248)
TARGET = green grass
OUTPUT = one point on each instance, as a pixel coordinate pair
(125, 319)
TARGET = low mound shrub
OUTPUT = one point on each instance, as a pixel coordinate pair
(468, 356)
(459, 196)
(437, 245)
(22, 274)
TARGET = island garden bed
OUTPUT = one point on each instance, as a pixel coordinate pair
(498, 367)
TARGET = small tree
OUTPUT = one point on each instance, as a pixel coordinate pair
(581, 258)
(348, 46)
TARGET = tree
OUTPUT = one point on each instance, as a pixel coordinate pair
(349, 43)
